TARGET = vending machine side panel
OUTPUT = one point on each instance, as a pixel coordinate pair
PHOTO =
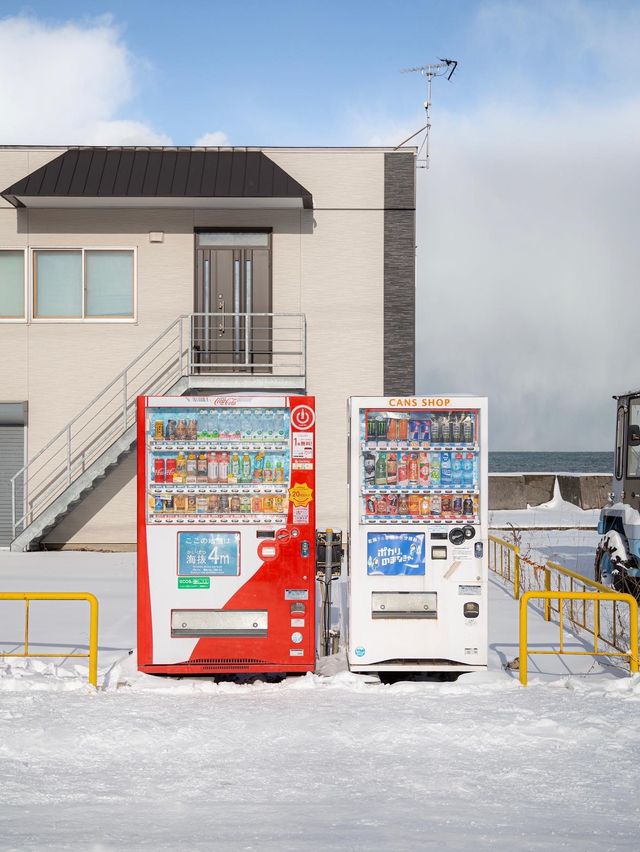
(145, 636)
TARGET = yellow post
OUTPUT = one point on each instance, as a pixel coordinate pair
(516, 573)
(523, 651)
(93, 639)
(633, 634)
(547, 588)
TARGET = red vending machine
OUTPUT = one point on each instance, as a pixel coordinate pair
(226, 534)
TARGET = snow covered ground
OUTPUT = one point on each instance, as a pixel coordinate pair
(312, 763)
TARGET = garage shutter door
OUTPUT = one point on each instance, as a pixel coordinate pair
(11, 460)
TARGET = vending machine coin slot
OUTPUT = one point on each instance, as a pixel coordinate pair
(265, 534)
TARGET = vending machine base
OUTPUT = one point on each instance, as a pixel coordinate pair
(416, 666)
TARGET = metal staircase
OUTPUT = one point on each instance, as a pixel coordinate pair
(266, 352)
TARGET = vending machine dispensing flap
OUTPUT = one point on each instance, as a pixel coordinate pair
(218, 622)
(404, 605)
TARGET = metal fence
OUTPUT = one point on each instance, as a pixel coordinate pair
(597, 614)
(27, 597)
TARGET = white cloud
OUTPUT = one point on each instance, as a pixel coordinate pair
(213, 139)
(67, 83)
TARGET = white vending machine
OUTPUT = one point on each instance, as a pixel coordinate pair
(418, 490)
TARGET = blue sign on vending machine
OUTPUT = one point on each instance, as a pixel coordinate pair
(395, 553)
(208, 554)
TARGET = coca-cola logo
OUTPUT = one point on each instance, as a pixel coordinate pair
(225, 400)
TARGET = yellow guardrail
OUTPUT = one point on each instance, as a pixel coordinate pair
(596, 597)
(27, 597)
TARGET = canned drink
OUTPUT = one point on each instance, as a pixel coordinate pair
(371, 429)
(456, 430)
(158, 504)
(371, 506)
(256, 504)
(414, 430)
(435, 430)
(425, 430)
(467, 429)
(436, 505)
(403, 429)
(403, 505)
(245, 503)
(267, 503)
(179, 503)
(382, 428)
(392, 429)
(467, 506)
(224, 503)
(202, 504)
(446, 504)
(170, 430)
(413, 469)
(382, 505)
(234, 504)
(392, 504)
(170, 467)
(414, 504)
(214, 504)
(445, 429)
(159, 470)
(158, 430)
(457, 506)
(425, 506)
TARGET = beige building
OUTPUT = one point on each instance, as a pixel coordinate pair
(182, 270)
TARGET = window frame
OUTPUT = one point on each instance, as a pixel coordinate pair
(33, 317)
(630, 402)
(621, 433)
(25, 316)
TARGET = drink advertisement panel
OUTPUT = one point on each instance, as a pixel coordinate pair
(395, 553)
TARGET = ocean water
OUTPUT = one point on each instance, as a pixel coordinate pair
(551, 463)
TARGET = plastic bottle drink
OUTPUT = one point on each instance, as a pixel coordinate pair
(258, 468)
(446, 476)
(381, 469)
(467, 470)
(392, 429)
(392, 468)
(423, 472)
(425, 506)
(192, 468)
(281, 430)
(436, 505)
(214, 424)
(403, 429)
(234, 469)
(434, 473)
(268, 471)
(278, 473)
(269, 425)
(203, 467)
(213, 468)
(223, 467)
(403, 470)
(369, 464)
(181, 468)
(246, 468)
(413, 469)
(456, 470)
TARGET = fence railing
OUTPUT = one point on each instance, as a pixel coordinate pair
(597, 598)
(92, 653)
(599, 616)
(193, 344)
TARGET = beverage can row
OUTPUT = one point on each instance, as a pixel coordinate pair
(422, 505)
(448, 428)
(217, 504)
(434, 469)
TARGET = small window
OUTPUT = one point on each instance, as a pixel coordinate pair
(242, 239)
(11, 284)
(83, 284)
(620, 442)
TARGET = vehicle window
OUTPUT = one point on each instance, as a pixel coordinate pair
(633, 452)
(619, 443)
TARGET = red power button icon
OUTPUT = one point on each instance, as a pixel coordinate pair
(303, 417)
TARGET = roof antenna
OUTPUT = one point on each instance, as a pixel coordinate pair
(441, 68)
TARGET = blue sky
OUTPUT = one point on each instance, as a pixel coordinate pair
(527, 247)
(310, 72)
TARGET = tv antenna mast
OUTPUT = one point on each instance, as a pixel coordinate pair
(441, 68)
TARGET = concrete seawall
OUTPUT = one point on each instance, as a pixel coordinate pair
(519, 490)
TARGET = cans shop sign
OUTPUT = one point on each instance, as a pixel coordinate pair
(416, 402)
(395, 553)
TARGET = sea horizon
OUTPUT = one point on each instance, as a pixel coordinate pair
(547, 461)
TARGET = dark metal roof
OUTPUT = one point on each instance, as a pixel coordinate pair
(158, 173)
